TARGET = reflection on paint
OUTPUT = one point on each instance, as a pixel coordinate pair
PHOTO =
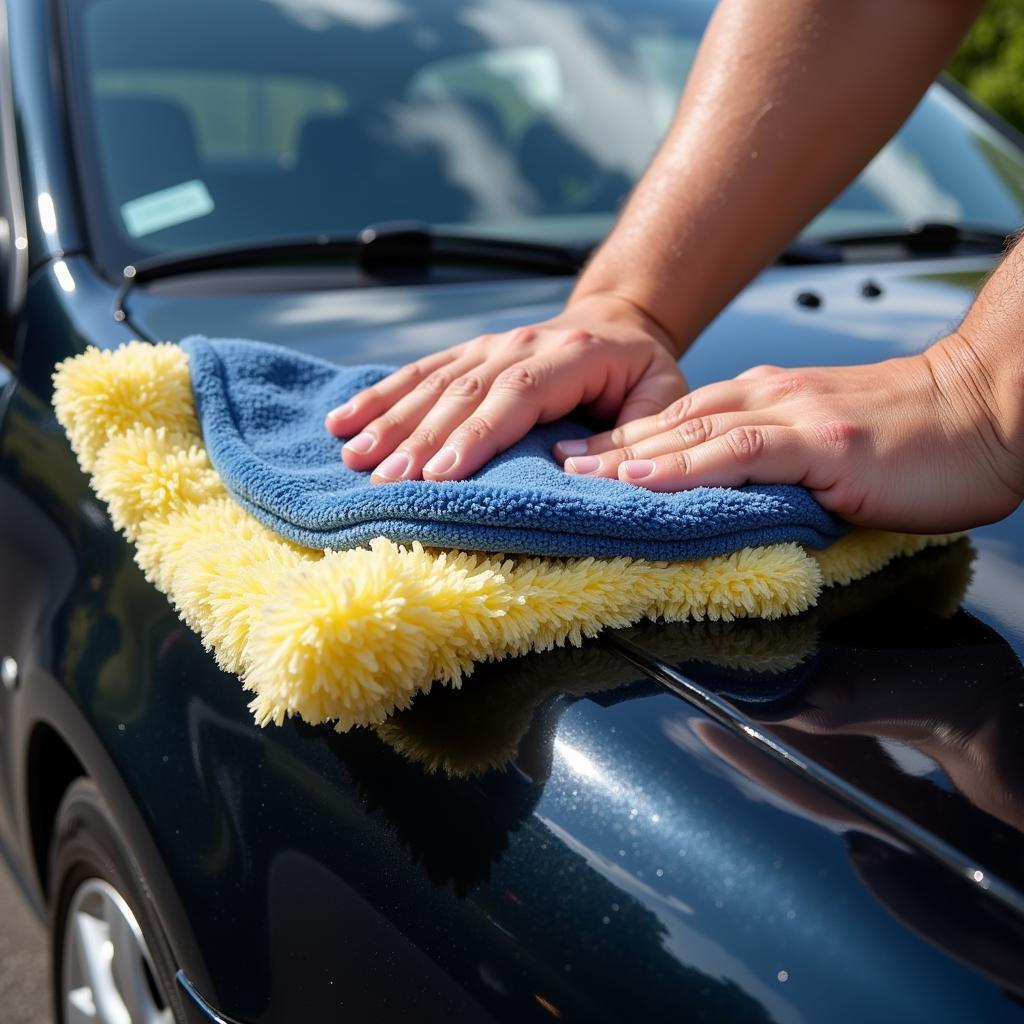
(47, 213)
(62, 272)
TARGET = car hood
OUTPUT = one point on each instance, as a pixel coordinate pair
(652, 761)
(789, 316)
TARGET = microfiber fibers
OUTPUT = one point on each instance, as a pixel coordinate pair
(261, 408)
(350, 636)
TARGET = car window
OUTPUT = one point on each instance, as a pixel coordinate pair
(248, 117)
(200, 124)
(945, 164)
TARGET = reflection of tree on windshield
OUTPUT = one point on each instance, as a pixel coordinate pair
(335, 114)
(532, 117)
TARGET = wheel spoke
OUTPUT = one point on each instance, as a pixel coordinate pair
(93, 949)
(79, 1007)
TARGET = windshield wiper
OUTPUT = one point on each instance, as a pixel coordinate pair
(930, 238)
(403, 248)
(801, 254)
(411, 248)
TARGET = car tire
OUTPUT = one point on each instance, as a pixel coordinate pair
(109, 953)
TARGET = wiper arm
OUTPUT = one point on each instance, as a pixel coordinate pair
(411, 245)
(259, 254)
(380, 249)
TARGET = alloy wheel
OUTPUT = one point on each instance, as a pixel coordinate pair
(107, 974)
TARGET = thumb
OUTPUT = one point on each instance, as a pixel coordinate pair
(652, 393)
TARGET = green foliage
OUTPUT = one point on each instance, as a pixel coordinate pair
(991, 61)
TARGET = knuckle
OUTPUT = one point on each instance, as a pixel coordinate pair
(785, 384)
(423, 437)
(746, 443)
(695, 431)
(617, 437)
(674, 413)
(577, 337)
(522, 336)
(436, 382)
(409, 375)
(469, 385)
(520, 380)
(372, 396)
(476, 428)
(681, 463)
(387, 424)
(839, 437)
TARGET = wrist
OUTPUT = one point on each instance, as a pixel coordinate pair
(985, 385)
(616, 307)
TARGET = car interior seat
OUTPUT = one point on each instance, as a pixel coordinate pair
(146, 144)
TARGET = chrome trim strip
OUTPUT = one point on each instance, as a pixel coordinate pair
(188, 988)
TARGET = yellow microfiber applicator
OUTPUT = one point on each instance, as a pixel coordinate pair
(350, 636)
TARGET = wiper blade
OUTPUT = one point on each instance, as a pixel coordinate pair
(802, 254)
(411, 244)
(398, 247)
(929, 237)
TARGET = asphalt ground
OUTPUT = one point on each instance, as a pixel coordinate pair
(24, 959)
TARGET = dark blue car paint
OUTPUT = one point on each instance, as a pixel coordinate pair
(631, 861)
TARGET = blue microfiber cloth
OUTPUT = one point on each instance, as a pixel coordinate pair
(261, 408)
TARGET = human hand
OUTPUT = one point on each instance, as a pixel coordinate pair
(924, 443)
(445, 416)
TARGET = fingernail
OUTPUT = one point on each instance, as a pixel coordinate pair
(587, 464)
(393, 466)
(341, 412)
(637, 470)
(442, 461)
(567, 448)
(361, 443)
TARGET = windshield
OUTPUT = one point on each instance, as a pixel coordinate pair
(203, 123)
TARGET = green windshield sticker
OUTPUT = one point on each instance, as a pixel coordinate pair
(158, 210)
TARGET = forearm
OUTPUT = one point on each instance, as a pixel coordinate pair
(785, 104)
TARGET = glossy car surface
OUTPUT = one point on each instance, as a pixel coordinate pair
(820, 818)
